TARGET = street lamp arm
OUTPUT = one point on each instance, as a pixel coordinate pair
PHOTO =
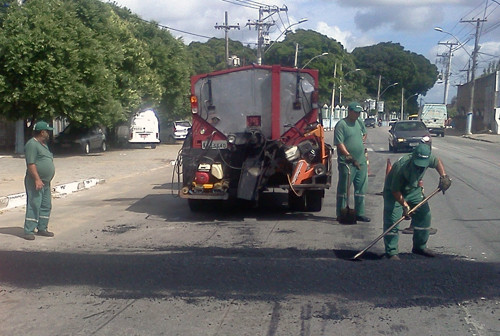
(460, 44)
(285, 31)
(393, 84)
(413, 95)
(307, 63)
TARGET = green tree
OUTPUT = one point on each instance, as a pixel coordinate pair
(168, 63)
(74, 59)
(411, 71)
(48, 59)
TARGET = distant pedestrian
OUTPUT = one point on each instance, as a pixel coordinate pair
(402, 192)
(349, 137)
(39, 173)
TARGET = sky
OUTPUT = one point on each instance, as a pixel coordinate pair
(354, 23)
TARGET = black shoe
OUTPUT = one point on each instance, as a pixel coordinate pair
(29, 236)
(45, 233)
(392, 257)
(424, 252)
(409, 230)
(363, 219)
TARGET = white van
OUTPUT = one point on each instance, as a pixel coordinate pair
(144, 129)
(434, 117)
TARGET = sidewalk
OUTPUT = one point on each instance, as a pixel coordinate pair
(486, 137)
(77, 172)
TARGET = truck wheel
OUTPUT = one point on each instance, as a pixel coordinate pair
(314, 200)
(390, 147)
(153, 146)
(296, 203)
(442, 134)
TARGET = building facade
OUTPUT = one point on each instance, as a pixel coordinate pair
(486, 105)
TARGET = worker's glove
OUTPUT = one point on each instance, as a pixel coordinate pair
(406, 212)
(444, 183)
(350, 159)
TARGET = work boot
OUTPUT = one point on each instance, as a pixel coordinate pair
(392, 257)
(424, 252)
(29, 236)
(45, 233)
(362, 219)
(409, 230)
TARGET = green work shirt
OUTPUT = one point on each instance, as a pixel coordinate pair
(404, 175)
(351, 135)
(43, 159)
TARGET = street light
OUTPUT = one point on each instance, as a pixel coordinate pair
(340, 86)
(312, 59)
(460, 44)
(380, 94)
(285, 31)
(473, 71)
(393, 84)
(403, 101)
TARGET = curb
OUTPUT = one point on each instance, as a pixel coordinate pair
(477, 139)
(17, 200)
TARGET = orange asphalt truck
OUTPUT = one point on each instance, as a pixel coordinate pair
(255, 129)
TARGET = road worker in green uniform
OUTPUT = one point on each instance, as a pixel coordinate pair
(39, 173)
(349, 137)
(402, 192)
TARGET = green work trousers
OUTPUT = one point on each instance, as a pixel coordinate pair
(359, 179)
(38, 206)
(420, 220)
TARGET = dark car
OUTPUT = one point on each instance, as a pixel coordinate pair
(405, 135)
(370, 122)
(81, 138)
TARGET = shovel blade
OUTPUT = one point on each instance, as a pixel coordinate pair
(347, 216)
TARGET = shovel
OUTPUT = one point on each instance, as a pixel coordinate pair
(347, 215)
(360, 253)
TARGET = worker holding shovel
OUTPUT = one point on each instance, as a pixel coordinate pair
(349, 135)
(402, 192)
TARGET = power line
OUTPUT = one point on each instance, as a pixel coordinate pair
(236, 2)
(174, 29)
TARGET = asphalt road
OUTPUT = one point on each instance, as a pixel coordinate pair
(130, 259)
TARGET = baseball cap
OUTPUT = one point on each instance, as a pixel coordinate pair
(42, 125)
(421, 155)
(355, 106)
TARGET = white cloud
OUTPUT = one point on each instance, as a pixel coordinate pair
(346, 38)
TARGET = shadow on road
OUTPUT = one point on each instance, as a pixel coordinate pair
(256, 273)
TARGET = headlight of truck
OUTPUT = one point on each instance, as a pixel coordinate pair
(401, 139)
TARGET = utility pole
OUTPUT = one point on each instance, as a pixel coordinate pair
(470, 113)
(448, 56)
(378, 95)
(333, 89)
(402, 103)
(227, 28)
(260, 25)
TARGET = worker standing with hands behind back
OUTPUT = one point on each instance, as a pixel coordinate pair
(39, 172)
(402, 192)
(349, 135)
